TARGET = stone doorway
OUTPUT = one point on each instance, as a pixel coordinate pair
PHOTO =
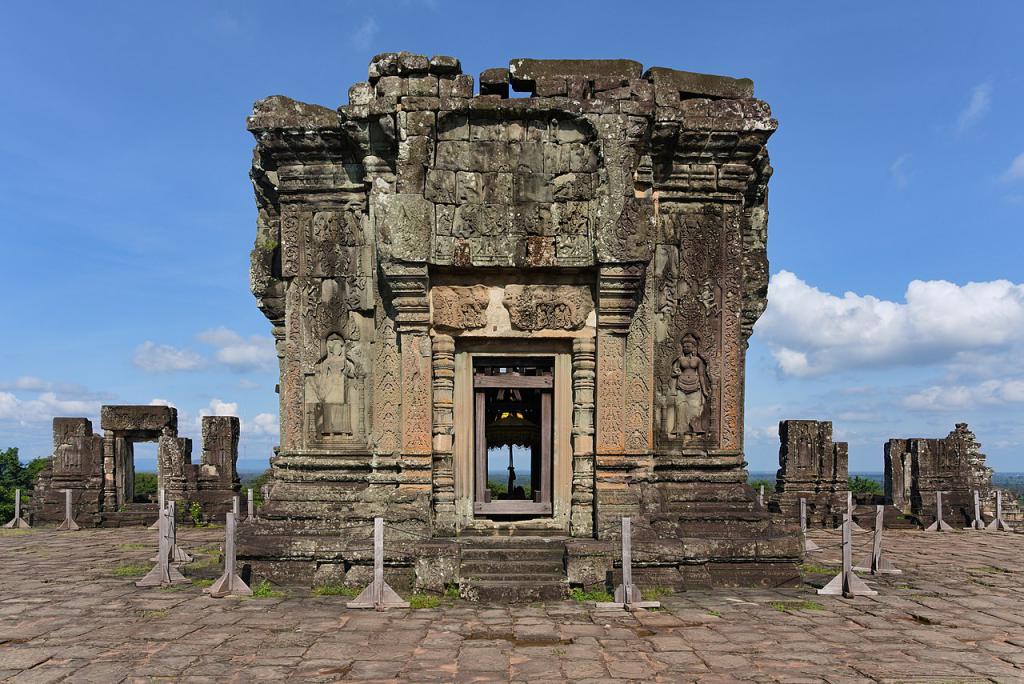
(513, 400)
(512, 418)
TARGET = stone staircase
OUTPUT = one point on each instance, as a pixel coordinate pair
(513, 569)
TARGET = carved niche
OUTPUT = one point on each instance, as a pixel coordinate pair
(459, 307)
(548, 307)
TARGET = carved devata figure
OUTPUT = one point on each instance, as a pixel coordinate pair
(691, 386)
(333, 387)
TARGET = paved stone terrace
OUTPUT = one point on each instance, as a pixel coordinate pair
(955, 615)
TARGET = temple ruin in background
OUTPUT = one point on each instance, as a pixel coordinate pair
(100, 469)
(814, 468)
(510, 318)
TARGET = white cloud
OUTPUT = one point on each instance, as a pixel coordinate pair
(363, 36)
(163, 358)
(240, 354)
(27, 383)
(959, 397)
(43, 408)
(977, 108)
(1015, 172)
(262, 424)
(898, 171)
(811, 332)
(219, 408)
(161, 402)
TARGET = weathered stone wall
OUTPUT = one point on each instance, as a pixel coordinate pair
(100, 470)
(917, 468)
(811, 467)
(615, 215)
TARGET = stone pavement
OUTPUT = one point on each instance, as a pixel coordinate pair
(66, 612)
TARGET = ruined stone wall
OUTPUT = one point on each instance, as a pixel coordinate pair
(811, 467)
(616, 216)
(917, 468)
(99, 470)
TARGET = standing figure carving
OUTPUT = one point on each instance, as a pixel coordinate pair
(332, 386)
(692, 388)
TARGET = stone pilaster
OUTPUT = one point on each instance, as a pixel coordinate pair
(581, 521)
(443, 431)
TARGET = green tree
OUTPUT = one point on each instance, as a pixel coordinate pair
(864, 485)
(13, 476)
(145, 487)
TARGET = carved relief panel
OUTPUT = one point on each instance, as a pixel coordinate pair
(690, 270)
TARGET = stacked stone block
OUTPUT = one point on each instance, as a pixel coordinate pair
(812, 467)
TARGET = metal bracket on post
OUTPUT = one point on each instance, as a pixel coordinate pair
(160, 513)
(229, 584)
(999, 523)
(808, 544)
(874, 563)
(978, 523)
(849, 511)
(68, 525)
(846, 582)
(939, 525)
(163, 573)
(17, 522)
(250, 507)
(378, 595)
(627, 594)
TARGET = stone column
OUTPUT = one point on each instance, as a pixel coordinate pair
(109, 473)
(443, 431)
(581, 521)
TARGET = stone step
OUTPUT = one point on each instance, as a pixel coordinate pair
(476, 568)
(509, 591)
(516, 577)
(507, 555)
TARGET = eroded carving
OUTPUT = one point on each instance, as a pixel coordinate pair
(459, 308)
(548, 307)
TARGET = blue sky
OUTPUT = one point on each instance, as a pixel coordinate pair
(127, 216)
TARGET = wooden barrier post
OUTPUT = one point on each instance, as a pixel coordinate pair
(229, 584)
(178, 554)
(17, 522)
(160, 513)
(163, 573)
(874, 563)
(68, 525)
(251, 507)
(978, 523)
(999, 523)
(846, 583)
(849, 510)
(809, 545)
(378, 595)
(760, 497)
(939, 525)
(627, 594)
(236, 507)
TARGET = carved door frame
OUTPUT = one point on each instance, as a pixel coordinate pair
(561, 444)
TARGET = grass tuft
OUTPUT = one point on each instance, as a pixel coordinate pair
(153, 614)
(14, 532)
(133, 546)
(451, 591)
(131, 570)
(714, 613)
(790, 606)
(418, 601)
(655, 593)
(815, 569)
(597, 595)
(265, 590)
(203, 583)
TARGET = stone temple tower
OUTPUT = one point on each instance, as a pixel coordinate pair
(512, 321)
